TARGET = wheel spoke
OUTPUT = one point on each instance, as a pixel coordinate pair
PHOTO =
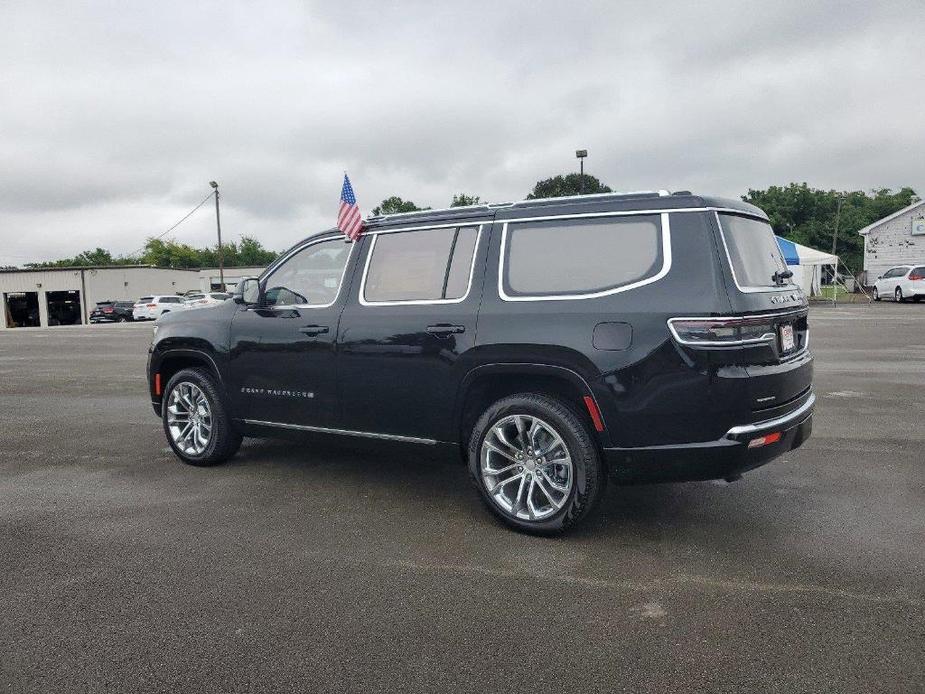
(496, 449)
(539, 483)
(502, 437)
(525, 443)
(504, 482)
(562, 489)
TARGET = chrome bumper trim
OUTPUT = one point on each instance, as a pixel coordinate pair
(774, 423)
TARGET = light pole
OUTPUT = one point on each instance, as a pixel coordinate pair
(581, 154)
(837, 218)
(218, 226)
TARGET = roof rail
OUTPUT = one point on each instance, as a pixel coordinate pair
(493, 205)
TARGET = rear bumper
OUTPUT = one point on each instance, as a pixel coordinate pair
(728, 457)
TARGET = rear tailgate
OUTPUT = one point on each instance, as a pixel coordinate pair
(760, 286)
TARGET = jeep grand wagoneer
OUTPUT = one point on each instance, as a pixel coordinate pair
(555, 343)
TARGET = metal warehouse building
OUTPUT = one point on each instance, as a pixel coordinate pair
(65, 296)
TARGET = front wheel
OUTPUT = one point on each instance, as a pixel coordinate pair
(876, 295)
(196, 421)
(898, 295)
(535, 464)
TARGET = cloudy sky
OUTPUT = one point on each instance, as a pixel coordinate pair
(115, 115)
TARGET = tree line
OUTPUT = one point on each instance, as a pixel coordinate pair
(797, 212)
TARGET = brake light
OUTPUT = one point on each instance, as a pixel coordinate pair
(915, 277)
(107, 310)
(152, 305)
(765, 440)
(722, 332)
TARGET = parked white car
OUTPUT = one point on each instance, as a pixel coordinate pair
(153, 307)
(202, 300)
(900, 283)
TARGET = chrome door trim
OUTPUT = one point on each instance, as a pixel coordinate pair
(341, 432)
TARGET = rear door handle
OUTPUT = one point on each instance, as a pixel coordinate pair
(314, 329)
(443, 329)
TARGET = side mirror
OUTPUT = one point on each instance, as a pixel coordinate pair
(880, 277)
(247, 292)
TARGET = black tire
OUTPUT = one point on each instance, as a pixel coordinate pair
(589, 477)
(876, 295)
(121, 319)
(898, 296)
(224, 440)
(917, 298)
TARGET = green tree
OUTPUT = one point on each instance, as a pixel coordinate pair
(807, 215)
(568, 184)
(463, 200)
(252, 253)
(394, 205)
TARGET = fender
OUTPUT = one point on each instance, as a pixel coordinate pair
(526, 368)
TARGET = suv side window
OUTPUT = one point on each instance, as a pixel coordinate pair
(432, 265)
(170, 299)
(580, 257)
(310, 277)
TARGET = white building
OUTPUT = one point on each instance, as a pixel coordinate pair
(895, 240)
(66, 296)
(209, 278)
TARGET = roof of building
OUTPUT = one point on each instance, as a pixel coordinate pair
(72, 268)
(870, 227)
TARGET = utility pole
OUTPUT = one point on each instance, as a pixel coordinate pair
(581, 154)
(837, 218)
(218, 226)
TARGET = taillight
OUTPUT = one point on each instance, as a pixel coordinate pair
(915, 277)
(722, 332)
(107, 310)
(152, 305)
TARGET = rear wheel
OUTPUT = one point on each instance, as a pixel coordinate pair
(898, 295)
(535, 464)
(196, 421)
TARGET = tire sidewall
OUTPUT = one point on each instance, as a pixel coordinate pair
(581, 449)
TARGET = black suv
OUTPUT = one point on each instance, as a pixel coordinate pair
(112, 312)
(652, 336)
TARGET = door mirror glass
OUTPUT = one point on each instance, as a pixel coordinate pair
(247, 292)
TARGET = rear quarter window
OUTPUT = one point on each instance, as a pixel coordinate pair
(753, 252)
(575, 258)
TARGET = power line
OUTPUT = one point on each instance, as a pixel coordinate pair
(183, 219)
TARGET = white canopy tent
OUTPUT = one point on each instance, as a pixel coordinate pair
(806, 264)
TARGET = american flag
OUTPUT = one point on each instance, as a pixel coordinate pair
(349, 219)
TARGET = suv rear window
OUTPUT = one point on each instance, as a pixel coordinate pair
(427, 265)
(146, 300)
(753, 252)
(574, 257)
(170, 300)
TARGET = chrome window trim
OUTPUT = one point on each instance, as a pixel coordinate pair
(296, 251)
(763, 289)
(666, 258)
(341, 432)
(421, 302)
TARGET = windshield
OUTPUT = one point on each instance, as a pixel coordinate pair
(753, 252)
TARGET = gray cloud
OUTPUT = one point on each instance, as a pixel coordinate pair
(113, 117)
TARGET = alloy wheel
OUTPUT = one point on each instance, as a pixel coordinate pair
(898, 296)
(526, 467)
(189, 418)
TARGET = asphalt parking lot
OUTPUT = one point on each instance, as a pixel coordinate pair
(305, 567)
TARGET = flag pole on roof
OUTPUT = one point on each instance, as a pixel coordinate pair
(349, 219)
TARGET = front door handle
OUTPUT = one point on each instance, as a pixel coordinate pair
(312, 330)
(444, 329)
